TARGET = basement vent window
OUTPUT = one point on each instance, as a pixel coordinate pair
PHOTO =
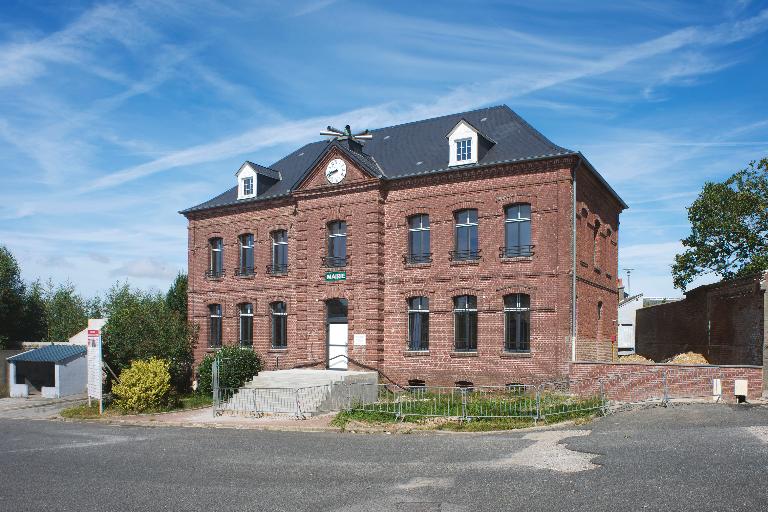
(416, 384)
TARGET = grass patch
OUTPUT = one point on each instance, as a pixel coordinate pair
(181, 403)
(193, 401)
(4, 391)
(442, 411)
(81, 412)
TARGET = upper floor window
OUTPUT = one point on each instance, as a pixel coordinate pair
(245, 267)
(246, 325)
(418, 323)
(466, 242)
(595, 245)
(465, 322)
(248, 186)
(600, 310)
(279, 252)
(214, 325)
(463, 150)
(517, 322)
(216, 257)
(517, 231)
(337, 244)
(279, 325)
(418, 239)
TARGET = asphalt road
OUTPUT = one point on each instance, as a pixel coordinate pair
(705, 457)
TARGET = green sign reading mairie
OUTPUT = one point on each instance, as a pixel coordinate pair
(335, 276)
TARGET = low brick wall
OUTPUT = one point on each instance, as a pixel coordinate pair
(641, 381)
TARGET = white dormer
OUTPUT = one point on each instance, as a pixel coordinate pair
(254, 179)
(466, 145)
(246, 181)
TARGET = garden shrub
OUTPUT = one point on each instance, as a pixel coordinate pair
(144, 386)
(236, 367)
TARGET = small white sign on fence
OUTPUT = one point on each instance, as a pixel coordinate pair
(94, 365)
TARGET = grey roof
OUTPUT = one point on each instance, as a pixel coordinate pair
(414, 149)
(50, 354)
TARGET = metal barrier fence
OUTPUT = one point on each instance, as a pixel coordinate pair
(566, 398)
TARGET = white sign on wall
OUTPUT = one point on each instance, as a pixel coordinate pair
(358, 340)
(94, 363)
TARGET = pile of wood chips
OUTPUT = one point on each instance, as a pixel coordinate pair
(689, 358)
(634, 358)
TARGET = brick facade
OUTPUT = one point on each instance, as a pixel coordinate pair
(379, 282)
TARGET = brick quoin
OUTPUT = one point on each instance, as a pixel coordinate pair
(378, 282)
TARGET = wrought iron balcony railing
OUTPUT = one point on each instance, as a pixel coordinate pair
(516, 251)
(245, 271)
(277, 269)
(417, 258)
(215, 273)
(335, 261)
(465, 255)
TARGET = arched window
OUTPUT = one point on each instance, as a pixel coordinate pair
(418, 239)
(595, 246)
(337, 244)
(279, 316)
(466, 242)
(245, 266)
(214, 325)
(517, 231)
(418, 323)
(465, 322)
(600, 310)
(216, 258)
(246, 324)
(517, 323)
(279, 252)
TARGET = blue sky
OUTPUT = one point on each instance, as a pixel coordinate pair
(114, 116)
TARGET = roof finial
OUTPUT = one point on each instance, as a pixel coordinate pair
(346, 134)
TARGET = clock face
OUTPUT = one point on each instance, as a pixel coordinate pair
(336, 170)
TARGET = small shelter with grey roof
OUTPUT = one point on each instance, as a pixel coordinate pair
(53, 371)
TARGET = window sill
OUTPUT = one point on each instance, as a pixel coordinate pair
(516, 259)
(461, 263)
(415, 353)
(276, 350)
(209, 278)
(418, 265)
(277, 274)
(515, 355)
(468, 353)
(245, 276)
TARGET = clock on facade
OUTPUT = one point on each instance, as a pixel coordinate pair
(336, 170)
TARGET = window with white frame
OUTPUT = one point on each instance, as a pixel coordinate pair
(463, 150)
(465, 322)
(246, 255)
(418, 239)
(216, 257)
(517, 322)
(248, 186)
(517, 231)
(279, 325)
(214, 325)
(279, 252)
(418, 323)
(246, 325)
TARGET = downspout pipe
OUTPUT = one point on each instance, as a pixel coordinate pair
(573, 267)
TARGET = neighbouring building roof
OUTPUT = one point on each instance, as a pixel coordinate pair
(50, 354)
(415, 149)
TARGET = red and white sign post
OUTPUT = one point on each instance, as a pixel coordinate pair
(95, 367)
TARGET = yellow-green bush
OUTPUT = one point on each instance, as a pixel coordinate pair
(145, 385)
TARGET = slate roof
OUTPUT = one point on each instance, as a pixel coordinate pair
(50, 354)
(414, 149)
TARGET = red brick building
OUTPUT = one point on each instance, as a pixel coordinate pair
(439, 251)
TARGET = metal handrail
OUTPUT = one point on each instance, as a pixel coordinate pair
(245, 271)
(215, 273)
(277, 269)
(334, 261)
(417, 258)
(516, 251)
(465, 255)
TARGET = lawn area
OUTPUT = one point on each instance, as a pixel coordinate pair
(185, 402)
(474, 412)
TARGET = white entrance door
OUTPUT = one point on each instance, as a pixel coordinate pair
(337, 346)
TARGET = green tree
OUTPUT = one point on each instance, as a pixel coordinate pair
(140, 325)
(11, 297)
(66, 312)
(176, 298)
(729, 228)
(237, 366)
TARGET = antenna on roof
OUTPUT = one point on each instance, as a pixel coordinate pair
(346, 134)
(629, 273)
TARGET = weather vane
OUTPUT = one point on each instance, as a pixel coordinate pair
(346, 134)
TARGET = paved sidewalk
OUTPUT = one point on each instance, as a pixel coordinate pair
(36, 407)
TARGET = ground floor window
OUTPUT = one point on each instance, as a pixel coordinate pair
(517, 323)
(279, 325)
(214, 325)
(246, 325)
(465, 322)
(418, 323)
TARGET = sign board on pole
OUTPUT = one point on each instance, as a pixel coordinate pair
(94, 364)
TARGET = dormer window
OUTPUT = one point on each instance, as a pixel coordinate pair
(248, 186)
(463, 150)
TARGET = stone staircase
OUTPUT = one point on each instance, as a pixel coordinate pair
(301, 393)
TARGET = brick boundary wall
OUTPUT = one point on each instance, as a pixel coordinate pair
(642, 381)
